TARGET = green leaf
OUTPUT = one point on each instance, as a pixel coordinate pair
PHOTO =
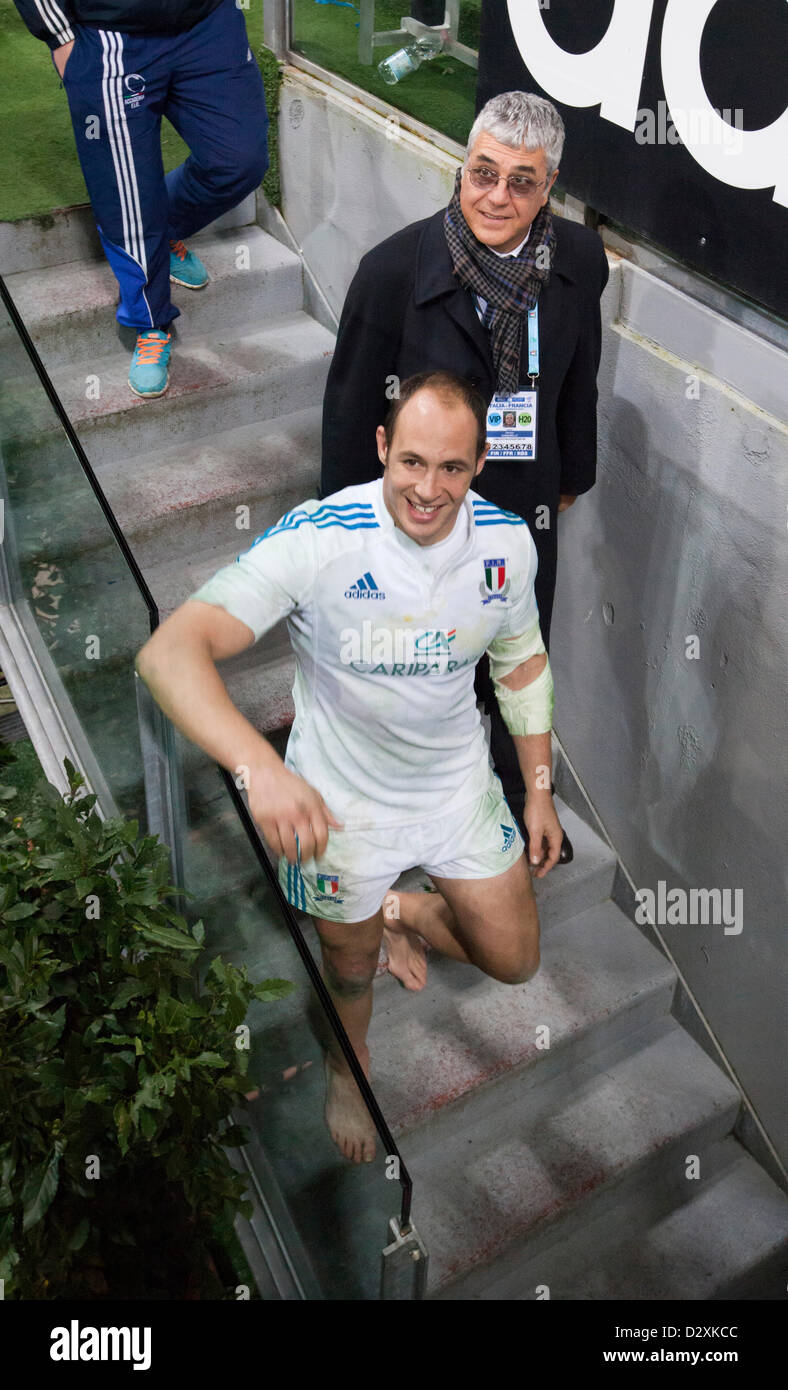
(39, 1190)
(80, 1235)
(198, 932)
(211, 1059)
(98, 1093)
(148, 1124)
(273, 989)
(21, 910)
(122, 1118)
(166, 936)
(128, 990)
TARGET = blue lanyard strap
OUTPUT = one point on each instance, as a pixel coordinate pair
(533, 343)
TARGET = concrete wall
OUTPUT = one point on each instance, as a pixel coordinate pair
(350, 177)
(684, 536)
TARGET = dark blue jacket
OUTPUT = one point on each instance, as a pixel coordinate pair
(53, 20)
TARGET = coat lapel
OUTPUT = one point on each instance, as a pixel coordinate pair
(435, 280)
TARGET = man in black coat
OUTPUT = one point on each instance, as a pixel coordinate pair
(456, 291)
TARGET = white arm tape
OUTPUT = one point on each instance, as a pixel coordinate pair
(530, 710)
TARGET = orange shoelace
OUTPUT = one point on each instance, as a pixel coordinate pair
(149, 349)
(178, 249)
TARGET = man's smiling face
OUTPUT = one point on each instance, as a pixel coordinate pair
(429, 465)
(493, 215)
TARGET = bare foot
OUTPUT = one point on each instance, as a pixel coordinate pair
(349, 1122)
(407, 956)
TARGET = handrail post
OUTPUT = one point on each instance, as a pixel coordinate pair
(276, 27)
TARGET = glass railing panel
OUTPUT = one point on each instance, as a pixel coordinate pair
(440, 92)
(87, 612)
(69, 580)
(341, 1210)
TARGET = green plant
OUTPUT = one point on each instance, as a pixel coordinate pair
(120, 1060)
(272, 81)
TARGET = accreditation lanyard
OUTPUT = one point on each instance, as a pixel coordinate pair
(533, 345)
(511, 416)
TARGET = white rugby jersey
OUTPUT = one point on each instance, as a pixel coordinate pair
(386, 724)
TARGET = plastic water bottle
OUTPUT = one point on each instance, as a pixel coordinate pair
(407, 60)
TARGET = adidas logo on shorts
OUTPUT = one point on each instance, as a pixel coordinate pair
(365, 587)
(509, 836)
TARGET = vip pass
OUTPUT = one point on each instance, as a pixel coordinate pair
(511, 419)
(511, 426)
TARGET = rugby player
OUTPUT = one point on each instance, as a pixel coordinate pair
(393, 590)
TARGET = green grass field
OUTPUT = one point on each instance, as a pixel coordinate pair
(441, 94)
(39, 169)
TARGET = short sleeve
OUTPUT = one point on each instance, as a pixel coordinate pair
(521, 612)
(271, 579)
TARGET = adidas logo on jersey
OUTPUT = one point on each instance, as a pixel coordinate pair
(365, 587)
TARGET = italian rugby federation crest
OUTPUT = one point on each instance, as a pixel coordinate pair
(328, 885)
(496, 584)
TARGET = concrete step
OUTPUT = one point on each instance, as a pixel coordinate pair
(466, 1036)
(245, 374)
(182, 500)
(727, 1240)
(68, 306)
(69, 234)
(185, 499)
(584, 1142)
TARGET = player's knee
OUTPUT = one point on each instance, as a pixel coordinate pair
(253, 170)
(248, 169)
(522, 970)
(351, 977)
(238, 178)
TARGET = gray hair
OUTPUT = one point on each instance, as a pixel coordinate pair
(521, 119)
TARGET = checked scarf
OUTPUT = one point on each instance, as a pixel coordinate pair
(511, 285)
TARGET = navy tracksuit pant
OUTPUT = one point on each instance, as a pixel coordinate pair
(207, 83)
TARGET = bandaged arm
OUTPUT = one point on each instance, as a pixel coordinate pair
(530, 709)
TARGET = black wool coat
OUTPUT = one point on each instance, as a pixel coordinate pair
(406, 313)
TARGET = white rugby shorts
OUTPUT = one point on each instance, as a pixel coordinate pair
(349, 882)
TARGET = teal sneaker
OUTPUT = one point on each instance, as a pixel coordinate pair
(149, 374)
(186, 268)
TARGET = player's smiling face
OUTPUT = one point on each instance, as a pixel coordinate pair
(430, 465)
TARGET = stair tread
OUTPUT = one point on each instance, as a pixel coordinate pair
(465, 1029)
(199, 363)
(81, 286)
(491, 1185)
(733, 1224)
(251, 460)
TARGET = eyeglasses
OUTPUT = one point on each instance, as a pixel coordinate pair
(519, 185)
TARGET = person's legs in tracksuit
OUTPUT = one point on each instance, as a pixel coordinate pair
(119, 86)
